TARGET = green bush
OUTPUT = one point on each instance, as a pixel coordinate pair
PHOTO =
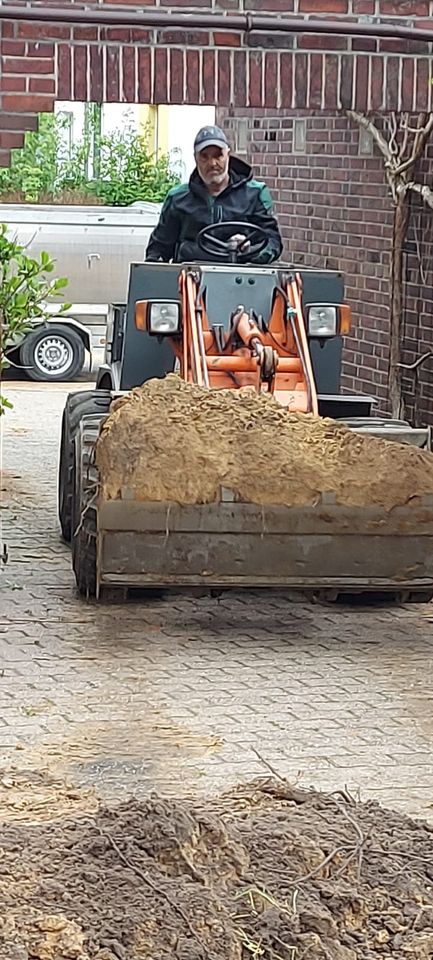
(116, 169)
(33, 170)
(25, 292)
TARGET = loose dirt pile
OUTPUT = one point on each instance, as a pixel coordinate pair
(33, 795)
(169, 440)
(267, 871)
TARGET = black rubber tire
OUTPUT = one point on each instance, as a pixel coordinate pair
(62, 497)
(34, 339)
(63, 491)
(77, 405)
(84, 516)
(84, 507)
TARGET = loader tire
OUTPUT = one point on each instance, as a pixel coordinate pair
(84, 508)
(65, 456)
(77, 405)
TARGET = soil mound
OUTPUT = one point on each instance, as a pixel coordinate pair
(267, 871)
(169, 440)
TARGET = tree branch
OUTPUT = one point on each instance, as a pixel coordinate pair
(422, 135)
(391, 122)
(368, 125)
(425, 192)
(404, 125)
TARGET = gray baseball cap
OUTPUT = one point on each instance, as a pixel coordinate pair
(210, 137)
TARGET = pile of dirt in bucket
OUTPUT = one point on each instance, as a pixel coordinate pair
(267, 871)
(169, 440)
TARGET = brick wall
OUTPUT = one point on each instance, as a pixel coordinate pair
(130, 63)
(334, 209)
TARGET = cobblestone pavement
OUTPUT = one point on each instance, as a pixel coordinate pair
(188, 694)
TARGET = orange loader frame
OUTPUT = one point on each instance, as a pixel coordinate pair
(275, 359)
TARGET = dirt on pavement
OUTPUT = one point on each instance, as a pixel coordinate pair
(265, 871)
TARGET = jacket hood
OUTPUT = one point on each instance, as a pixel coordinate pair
(239, 172)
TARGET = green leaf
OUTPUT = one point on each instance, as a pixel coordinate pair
(60, 283)
(5, 404)
(46, 262)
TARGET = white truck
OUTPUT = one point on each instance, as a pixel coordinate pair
(93, 247)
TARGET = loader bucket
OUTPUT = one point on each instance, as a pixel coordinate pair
(221, 488)
(326, 547)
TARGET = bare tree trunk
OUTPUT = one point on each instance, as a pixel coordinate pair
(402, 145)
(401, 221)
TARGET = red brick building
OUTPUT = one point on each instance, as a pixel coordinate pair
(282, 94)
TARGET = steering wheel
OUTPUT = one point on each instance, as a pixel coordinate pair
(217, 241)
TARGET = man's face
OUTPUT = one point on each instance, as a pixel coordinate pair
(213, 164)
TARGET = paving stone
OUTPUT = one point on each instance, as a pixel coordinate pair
(189, 695)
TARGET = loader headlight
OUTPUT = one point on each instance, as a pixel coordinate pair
(164, 317)
(322, 320)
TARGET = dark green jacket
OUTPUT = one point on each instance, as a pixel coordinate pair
(190, 207)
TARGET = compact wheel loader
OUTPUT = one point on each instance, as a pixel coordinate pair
(225, 324)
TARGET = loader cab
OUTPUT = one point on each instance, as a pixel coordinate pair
(135, 356)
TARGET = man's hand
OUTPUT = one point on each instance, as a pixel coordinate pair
(241, 241)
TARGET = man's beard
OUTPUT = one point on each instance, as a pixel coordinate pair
(216, 177)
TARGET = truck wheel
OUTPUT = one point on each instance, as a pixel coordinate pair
(53, 353)
(77, 405)
(84, 506)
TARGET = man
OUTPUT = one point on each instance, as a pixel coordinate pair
(220, 189)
